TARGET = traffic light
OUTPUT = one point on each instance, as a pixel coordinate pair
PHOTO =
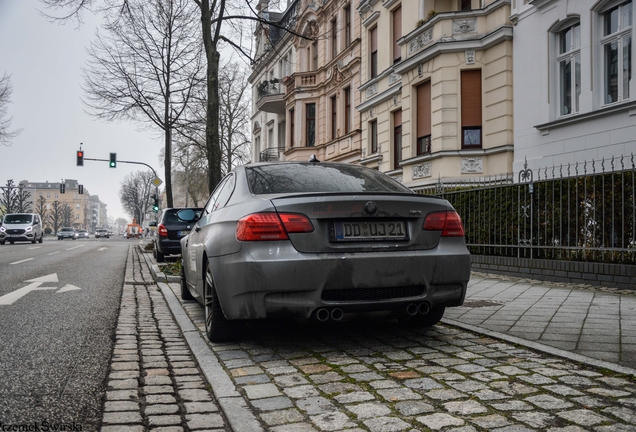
(80, 158)
(62, 188)
(80, 189)
(155, 207)
(113, 160)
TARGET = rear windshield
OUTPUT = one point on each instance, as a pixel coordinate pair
(18, 219)
(299, 178)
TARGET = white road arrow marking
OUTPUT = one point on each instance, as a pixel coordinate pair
(102, 249)
(48, 278)
(16, 295)
(19, 262)
(68, 288)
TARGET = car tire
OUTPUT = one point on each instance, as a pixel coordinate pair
(41, 238)
(217, 327)
(2, 242)
(185, 292)
(11, 241)
(160, 257)
(35, 239)
(433, 317)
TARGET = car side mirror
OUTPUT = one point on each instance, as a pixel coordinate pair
(187, 215)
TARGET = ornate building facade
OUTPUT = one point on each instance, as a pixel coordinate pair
(437, 89)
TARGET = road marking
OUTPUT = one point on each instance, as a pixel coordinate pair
(53, 253)
(34, 247)
(102, 249)
(68, 287)
(48, 278)
(76, 247)
(18, 262)
(16, 295)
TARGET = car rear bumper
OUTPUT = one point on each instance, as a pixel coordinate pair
(263, 282)
(168, 247)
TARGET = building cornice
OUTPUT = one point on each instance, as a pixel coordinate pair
(458, 153)
(625, 107)
(374, 16)
(384, 96)
(489, 40)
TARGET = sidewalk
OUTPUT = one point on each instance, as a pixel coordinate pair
(594, 322)
(363, 376)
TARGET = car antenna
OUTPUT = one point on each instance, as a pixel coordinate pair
(313, 158)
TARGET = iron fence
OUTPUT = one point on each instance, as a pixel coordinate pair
(580, 212)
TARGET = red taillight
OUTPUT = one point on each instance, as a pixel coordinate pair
(271, 226)
(448, 222)
(161, 229)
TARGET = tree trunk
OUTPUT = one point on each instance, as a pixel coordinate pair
(212, 117)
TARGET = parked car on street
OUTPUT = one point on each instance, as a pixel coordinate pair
(67, 233)
(100, 232)
(322, 241)
(21, 227)
(170, 230)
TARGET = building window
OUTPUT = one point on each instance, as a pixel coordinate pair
(373, 37)
(334, 117)
(373, 136)
(397, 139)
(314, 53)
(292, 127)
(424, 118)
(48, 196)
(397, 34)
(471, 108)
(616, 45)
(334, 38)
(569, 67)
(55, 196)
(465, 5)
(347, 20)
(347, 113)
(310, 124)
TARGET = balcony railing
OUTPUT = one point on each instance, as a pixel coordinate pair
(268, 89)
(271, 154)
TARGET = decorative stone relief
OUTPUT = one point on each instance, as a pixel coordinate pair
(464, 26)
(393, 78)
(399, 178)
(470, 56)
(422, 170)
(395, 100)
(372, 90)
(420, 70)
(421, 41)
(472, 165)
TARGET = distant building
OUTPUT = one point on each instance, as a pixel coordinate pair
(82, 205)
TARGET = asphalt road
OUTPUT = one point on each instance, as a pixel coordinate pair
(56, 336)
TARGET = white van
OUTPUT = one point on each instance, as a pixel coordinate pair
(21, 227)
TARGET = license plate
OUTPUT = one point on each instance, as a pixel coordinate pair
(183, 233)
(369, 230)
(15, 235)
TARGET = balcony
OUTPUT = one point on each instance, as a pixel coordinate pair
(270, 97)
(271, 154)
(301, 80)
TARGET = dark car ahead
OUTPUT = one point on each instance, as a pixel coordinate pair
(321, 240)
(170, 230)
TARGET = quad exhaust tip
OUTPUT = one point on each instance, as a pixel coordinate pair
(337, 314)
(322, 314)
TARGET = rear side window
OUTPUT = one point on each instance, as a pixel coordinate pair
(299, 178)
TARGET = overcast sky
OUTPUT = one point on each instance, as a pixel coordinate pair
(45, 62)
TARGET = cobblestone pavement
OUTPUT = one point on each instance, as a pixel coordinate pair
(379, 376)
(592, 321)
(154, 382)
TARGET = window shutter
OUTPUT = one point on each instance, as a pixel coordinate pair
(397, 34)
(471, 97)
(424, 109)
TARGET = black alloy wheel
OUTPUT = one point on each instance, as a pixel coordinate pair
(217, 327)
(185, 292)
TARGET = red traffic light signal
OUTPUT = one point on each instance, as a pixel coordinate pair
(80, 158)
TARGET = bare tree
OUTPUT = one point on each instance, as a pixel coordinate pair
(22, 200)
(55, 217)
(8, 198)
(67, 215)
(6, 134)
(135, 194)
(146, 67)
(41, 209)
